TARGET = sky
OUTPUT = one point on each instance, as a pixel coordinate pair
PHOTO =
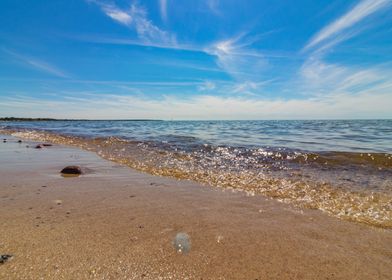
(196, 59)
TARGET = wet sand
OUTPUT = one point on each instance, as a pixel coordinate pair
(117, 223)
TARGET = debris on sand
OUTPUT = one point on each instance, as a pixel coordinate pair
(5, 258)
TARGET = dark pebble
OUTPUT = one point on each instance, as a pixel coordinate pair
(4, 258)
(19, 141)
(43, 186)
(47, 145)
(72, 170)
(38, 146)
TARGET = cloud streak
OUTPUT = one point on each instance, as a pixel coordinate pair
(163, 9)
(358, 13)
(38, 64)
(237, 58)
(116, 14)
(136, 17)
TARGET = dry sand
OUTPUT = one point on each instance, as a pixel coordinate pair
(116, 223)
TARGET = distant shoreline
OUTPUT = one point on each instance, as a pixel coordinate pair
(16, 119)
(12, 119)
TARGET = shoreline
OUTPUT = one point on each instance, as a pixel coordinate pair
(118, 223)
(340, 197)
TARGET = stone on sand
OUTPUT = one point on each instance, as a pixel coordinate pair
(72, 169)
(4, 258)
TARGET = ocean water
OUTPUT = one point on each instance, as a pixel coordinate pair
(342, 167)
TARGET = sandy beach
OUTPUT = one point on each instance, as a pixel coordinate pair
(117, 223)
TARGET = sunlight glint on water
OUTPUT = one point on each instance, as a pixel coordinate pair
(341, 167)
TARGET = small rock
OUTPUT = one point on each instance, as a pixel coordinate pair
(72, 170)
(47, 145)
(4, 258)
(4, 141)
(39, 146)
(19, 141)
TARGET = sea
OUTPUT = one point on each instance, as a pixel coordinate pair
(341, 167)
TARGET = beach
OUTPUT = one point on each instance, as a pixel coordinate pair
(117, 223)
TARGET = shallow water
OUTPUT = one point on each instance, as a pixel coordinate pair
(319, 135)
(341, 167)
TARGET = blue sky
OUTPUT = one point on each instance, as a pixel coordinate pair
(205, 59)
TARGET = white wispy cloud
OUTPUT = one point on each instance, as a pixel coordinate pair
(117, 14)
(163, 9)
(249, 87)
(99, 39)
(38, 64)
(319, 78)
(237, 58)
(136, 17)
(235, 55)
(340, 82)
(207, 86)
(359, 12)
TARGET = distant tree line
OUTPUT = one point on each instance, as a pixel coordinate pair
(12, 119)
